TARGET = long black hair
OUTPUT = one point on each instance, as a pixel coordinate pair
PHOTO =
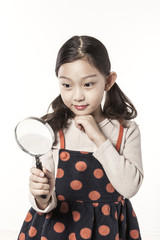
(116, 105)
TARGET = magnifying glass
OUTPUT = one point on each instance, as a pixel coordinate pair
(35, 137)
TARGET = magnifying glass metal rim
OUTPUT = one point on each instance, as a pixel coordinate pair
(43, 122)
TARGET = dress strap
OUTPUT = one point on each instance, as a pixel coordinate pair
(62, 141)
(118, 145)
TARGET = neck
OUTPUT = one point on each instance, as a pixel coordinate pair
(99, 117)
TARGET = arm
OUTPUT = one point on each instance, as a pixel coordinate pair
(123, 169)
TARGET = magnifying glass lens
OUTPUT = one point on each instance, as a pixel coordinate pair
(35, 137)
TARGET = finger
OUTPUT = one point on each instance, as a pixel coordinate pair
(37, 172)
(80, 124)
(35, 178)
(39, 193)
(48, 174)
(39, 186)
(80, 127)
(81, 120)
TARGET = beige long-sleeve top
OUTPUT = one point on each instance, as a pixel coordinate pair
(124, 169)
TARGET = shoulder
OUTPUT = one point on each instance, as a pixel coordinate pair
(112, 127)
(125, 123)
(128, 125)
(131, 140)
(131, 135)
(131, 129)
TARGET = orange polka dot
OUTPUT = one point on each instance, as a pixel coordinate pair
(81, 166)
(110, 188)
(76, 216)
(72, 236)
(80, 201)
(116, 217)
(120, 198)
(123, 202)
(60, 197)
(82, 152)
(21, 236)
(94, 195)
(95, 204)
(121, 217)
(39, 213)
(106, 209)
(98, 173)
(134, 234)
(49, 214)
(32, 231)
(76, 185)
(44, 238)
(133, 213)
(28, 217)
(64, 207)
(117, 236)
(60, 173)
(85, 233)
(59, 227)
(64, 156)
(104, 230)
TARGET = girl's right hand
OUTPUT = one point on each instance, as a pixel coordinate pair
(41, 183)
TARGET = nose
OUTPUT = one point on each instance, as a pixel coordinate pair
(79, 95)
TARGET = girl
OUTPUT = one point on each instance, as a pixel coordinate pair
(96, 157)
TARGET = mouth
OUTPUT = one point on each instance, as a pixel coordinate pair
(80, 107)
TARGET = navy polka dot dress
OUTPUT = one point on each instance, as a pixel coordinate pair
(88, 206)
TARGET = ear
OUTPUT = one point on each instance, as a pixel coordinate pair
(110, 80)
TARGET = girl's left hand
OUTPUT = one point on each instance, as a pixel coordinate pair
(88, 124)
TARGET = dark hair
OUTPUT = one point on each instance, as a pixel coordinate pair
(116, 106)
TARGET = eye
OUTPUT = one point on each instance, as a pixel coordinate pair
(90, 84)
(66, 85)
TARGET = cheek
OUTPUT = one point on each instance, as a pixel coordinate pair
(65, 97)
(96, 97)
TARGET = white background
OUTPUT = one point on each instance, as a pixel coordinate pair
(31, 33)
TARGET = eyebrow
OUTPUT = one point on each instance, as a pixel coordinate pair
(88, 76)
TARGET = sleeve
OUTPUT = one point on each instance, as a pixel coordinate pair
(124, 169)
(48, 162)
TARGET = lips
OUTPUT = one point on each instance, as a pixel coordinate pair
(80, 107)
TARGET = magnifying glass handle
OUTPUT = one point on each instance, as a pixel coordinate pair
(39, 166)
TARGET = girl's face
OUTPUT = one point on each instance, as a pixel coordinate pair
(82, 87)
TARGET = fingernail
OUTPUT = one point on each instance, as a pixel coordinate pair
(44, 168)
(41, 174)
